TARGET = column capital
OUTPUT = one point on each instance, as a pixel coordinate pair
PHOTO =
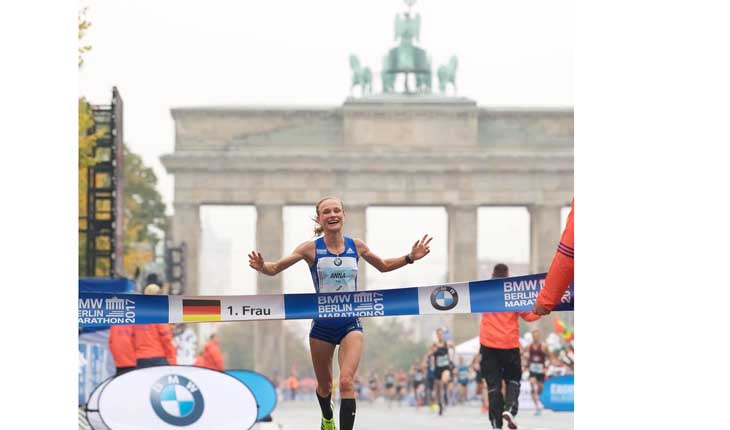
(269, 204)
(185, 206)
(534, 207)
(467, 206)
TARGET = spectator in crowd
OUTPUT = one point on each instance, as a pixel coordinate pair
(153, 342)
(121, 346)
(211, 357)
(185, 341)
(293, 384)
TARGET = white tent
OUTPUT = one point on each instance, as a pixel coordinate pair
(467, 349)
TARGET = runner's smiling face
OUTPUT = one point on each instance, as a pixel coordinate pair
(331, 215)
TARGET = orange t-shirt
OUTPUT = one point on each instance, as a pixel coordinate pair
(501, 330)
(212, 357)
(154, 340)
(560, 275)
(121, 346)
(293, 383)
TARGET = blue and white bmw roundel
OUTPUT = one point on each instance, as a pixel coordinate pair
(444, 298)
(177, 400)
(184, 397)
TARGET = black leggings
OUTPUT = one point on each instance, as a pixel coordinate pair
(498, 365)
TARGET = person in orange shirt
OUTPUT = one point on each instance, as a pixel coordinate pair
(293, 384)
(560, 275)
(499, 336)
(212, 357)
(153, 342)
(121, 346)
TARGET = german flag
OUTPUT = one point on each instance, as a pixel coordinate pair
(201, 310)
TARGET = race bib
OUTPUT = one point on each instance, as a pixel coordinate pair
(442, 361)
(337, 279)
(537, 368)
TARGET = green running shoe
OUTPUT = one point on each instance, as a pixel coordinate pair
(329, 424)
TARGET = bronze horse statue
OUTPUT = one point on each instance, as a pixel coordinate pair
(361, 76)
(447, 74)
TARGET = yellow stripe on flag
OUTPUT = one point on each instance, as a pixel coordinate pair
(201, 318)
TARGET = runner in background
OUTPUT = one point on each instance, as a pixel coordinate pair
(293, 385)
(417, 381)
(537, 365)
(462, 373)
(401, 384)
(358, 387)
(430, 364)
(389, 380)
(481, 384)
(374, 386)
(442, 369)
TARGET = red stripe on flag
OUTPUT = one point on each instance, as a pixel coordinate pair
(197, 310)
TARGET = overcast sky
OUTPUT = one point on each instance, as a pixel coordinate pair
(163, 54)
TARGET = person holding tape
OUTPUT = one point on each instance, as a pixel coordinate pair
(499, 338)
(332, 260)
(560, 274)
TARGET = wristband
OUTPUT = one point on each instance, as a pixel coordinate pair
(409, 260)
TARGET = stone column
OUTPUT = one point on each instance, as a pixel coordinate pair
(186, 228)
(463, 262)
(544, 236)
(268, 335)
(356, 228)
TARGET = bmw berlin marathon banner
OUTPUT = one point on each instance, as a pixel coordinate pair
(516, 294)
(171, 397)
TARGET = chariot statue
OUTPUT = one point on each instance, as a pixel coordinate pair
(407, 58)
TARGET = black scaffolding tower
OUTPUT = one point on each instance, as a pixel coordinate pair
(101, 227)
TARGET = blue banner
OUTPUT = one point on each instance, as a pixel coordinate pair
(558, 392)
(516, 294)
(102, 309)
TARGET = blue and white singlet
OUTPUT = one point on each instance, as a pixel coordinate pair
(333, 273)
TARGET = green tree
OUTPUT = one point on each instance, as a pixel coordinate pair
(389, 344)
(144, 211)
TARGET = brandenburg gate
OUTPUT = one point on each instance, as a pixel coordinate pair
(388, 149)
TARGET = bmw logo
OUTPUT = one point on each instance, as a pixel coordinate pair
(177, 400)
(338, 261)
(444, 298)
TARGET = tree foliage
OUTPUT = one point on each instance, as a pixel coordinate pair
(389, 345)
(144, 211)
(83, 26)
